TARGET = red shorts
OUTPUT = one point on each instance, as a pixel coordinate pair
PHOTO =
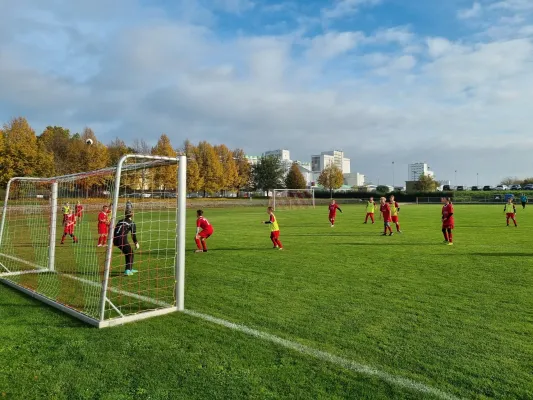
(510, 215)
(79, 214)
(450, 224)
(394, 218)
(69, 230)
(332, 217)
(103, 229)
(274, 235)
(206, 233)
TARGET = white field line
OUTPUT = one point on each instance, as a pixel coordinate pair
(362, 369)
(20, 260)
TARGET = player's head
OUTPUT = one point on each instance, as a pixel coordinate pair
(270, 210)
(332, 201)
(105, 208)
(391, 197)
(79, 202)
(510, 200)
(382, 199)
(199, 213)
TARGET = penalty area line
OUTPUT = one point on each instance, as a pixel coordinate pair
(344, 363)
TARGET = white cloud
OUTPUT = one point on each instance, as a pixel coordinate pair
(333, 44)
(346, 8)
(472, 12)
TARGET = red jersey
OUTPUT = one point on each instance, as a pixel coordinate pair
(447, 211)
(203, 224)
(79, 208)
(70, 220)
(385, 210)
(102, 218)
(333, 209)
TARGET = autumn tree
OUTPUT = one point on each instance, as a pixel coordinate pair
(2, 156)
(426, 183)
(164, 177)
(195, 181)
(211, 170)
(295, 178)
(229, 178)
(55, 140)
(244, 171)
(22, 155)
(117, 149)
(331, 178)
(268, 173)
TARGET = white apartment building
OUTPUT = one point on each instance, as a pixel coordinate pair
(414, 171)
(326, 158)
(252, 160)
(284, 156)
(354, 179)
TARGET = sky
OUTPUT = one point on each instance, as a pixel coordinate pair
(449, 82)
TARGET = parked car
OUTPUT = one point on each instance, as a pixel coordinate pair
(487, 188)
(475, 188)
(446, 188)
(516, 187)
(502, 187)
(529, 186)
(461, 188)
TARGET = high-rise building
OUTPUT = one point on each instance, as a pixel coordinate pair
(354, 179)
(327, 158)
(414, 171)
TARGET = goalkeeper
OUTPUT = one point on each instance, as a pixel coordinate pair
(120, 239)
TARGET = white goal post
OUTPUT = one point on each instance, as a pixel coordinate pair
(57, 241)
(293, 198)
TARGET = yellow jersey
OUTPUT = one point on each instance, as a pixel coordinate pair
(393, 209)
(273, 223)
(370, 207)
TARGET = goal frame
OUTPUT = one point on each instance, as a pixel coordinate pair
(274, 191)
(179, 259)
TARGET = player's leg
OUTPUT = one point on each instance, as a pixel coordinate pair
(450, 235)
(63, 237)
(445, 233)
(366, 218)
(372, 217)
(384, 228)
(507, 216)
(278, 242)
(514, 219)
(390, 228)
(273, 239)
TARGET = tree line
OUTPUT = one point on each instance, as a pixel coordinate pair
(210, 168)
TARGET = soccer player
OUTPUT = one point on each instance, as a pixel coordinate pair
(510, 210)
(386, 213)
(69, 224)
(79, 211)
(120, 240)
(448, 221)
(333, 207)
(103, 226)
(370, 209)
(395, 211)
(523, 200)
(274, 229)
(204, 230)
(66, 211)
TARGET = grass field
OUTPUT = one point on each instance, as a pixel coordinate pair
(458, 319)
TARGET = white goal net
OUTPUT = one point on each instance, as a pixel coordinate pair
(293, 198)
(71, 241)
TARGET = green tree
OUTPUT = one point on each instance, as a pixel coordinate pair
(244, 171)
(510, 181)
(211, 170)
(527, 181)
(268, 174)
(382, 189)
(164, 177)
(426, 184)
(295, 178)
(2, 157)
(331, 178)
(55, 140)
(229, 177)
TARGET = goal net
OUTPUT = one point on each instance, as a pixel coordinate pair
(292, 198)
(70, 241)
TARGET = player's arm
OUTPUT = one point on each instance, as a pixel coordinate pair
(197, 228)
(397, 207)
(134, 234)
(338, 208)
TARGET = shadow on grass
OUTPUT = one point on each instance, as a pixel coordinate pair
(501, 254)
(383, 244)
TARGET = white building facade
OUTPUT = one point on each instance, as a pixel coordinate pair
(354, 179)
(414, 171)
(327, 158)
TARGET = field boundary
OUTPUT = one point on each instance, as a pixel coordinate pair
(344, 363)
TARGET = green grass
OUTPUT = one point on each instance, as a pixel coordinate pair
(459, 318)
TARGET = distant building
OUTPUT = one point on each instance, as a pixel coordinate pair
(327, 158)
(283, 155)
(414, 171)
(354, 179)
(252, 160)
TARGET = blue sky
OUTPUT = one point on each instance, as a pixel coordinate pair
(446, 82)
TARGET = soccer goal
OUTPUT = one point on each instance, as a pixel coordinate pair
(57, 240)
(293, 198)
